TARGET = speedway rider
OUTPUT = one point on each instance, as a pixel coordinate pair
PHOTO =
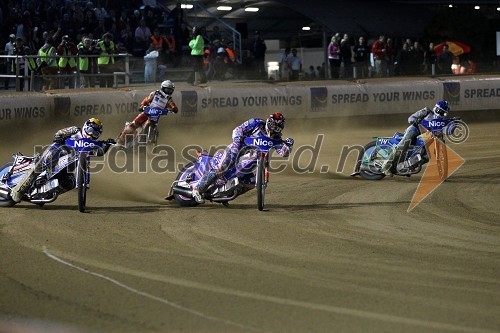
(271, 127)
(92, 129)
(159, 99)
(439, 111)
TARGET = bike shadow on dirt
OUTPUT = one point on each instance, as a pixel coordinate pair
(95, 209)
(304, 208)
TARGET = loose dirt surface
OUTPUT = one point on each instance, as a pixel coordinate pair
(330, 253)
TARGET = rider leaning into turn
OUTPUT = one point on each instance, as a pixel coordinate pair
(439, 111)
(160, 99)
(92, 129)
(272, 127)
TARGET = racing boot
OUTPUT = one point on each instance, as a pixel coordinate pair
(204, 183)
(130, 128)
(24, 184)
(389, 166)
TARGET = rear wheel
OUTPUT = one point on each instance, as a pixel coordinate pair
(182, 200)
(81, 181)
(260, 183)
(365, 162)
(6, 202)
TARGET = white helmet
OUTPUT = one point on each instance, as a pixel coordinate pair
(168, 87)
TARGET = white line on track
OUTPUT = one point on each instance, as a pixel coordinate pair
(153, 297)
(271, 299)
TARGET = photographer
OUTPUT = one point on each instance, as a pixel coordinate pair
(87, 65)
(67, 52)
(106, 61)
(19, 62)
(47, 64)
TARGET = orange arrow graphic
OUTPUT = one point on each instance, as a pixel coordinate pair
(443, 163)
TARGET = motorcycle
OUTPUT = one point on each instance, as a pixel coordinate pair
(48, 185)
(250, 171)
(148, 133)
(372, 160)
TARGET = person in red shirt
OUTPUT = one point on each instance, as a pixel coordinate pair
(379, 56)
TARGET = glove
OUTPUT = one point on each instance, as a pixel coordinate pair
(110, 141)
(289, 142)
(141, 108)
(58, 139)
(238, 139)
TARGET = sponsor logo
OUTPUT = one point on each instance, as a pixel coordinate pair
(451, 92)
(261, 142)
(319, 99)
(189, 103)
(84, 144)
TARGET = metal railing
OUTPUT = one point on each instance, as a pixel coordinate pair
(27, 77)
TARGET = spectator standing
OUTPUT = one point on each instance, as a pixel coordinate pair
(390, 55)
(197, 45)
(404, 61)
(48, 64)
(430, 59)
(9, 50)
(169, 47)
(87, 48)
(379, 56)
(142, 37)
(361, 58)
(283, 64)
(151, 63)
(67, 52)
(445, 60)
(417, 59)
(106, 61)
(259, 56)
(334, 57)
(19, 64)
(295, 63)
(346, 56)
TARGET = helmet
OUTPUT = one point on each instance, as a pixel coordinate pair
(441, 109)
(92, 129)
(167, 87)
(275, 123)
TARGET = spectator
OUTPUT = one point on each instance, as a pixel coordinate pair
(321, 71)
(142, 34)
(311, 75)
(334, 58)
(417, 59)
(259, 55)
(445, 60)
(390, 55)
(87, 65)
(48, 64)
(283, 64)
(151, 64)
(295, 64)
(176, 17)
(361, 58)
(346, 56)
(18, 64)
(197, 45)
(169, 47)
(430, 58)
(106, 61)
(9, 50)
(215, 35)
(67, 52)
(404, 61)
(379, 56)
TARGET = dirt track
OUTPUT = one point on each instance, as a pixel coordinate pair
(330, 254)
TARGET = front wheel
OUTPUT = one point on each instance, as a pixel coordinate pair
(6, 202)
(260, 183)
(182, 200)
(365, 162)
(81, 181)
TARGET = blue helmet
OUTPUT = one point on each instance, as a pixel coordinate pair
(441, 109)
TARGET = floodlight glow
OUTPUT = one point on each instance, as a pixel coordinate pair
(476, 7)
(186, 6)
(498, 9)
(306, 28)
(450, 5)
(224, 8)
(251, 9)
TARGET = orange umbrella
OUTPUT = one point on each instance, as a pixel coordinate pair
(455, 47)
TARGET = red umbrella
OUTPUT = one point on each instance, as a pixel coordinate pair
(454, 46)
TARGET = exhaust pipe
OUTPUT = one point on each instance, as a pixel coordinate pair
(187, 192)
(5, 193)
